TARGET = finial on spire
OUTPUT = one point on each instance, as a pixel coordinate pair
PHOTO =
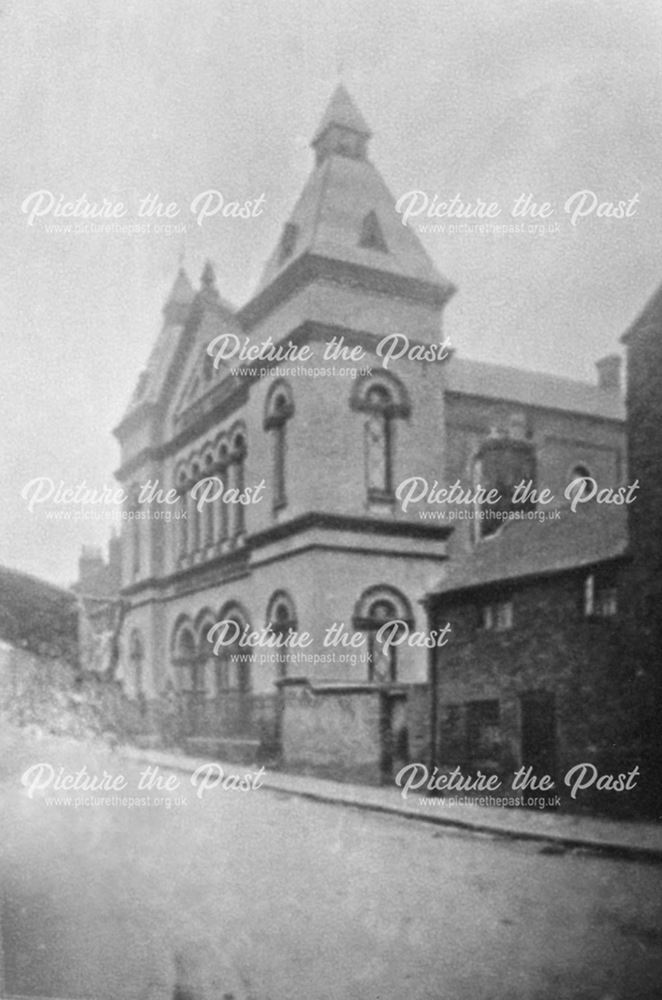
(180, 298)
(343, 130)
(208, 278)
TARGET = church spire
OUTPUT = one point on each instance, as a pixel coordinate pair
(180, 298)
(343, 130)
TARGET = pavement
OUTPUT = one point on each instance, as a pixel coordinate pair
(633, 840)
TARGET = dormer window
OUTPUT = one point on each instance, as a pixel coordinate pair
(288, 240)
(372, 237)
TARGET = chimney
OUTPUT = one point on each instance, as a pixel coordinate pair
(609, 373)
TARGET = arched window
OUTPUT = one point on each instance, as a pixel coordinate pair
(221, 530)
(581, 471)
(379, 442)
(207, 515)
(136, 661)
(207, 680)
(279, 408)
(377, 607)
(136, 532)
(189, 671)
(184, 655)
(233, 671)
(282, 619)
(236, 475)
(182, 509)
(193, 513)
(382, 399)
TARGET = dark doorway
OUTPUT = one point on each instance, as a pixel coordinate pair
(538, 715)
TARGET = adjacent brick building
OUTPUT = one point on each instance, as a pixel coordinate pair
(556, 646)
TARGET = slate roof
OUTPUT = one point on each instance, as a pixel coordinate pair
(593, 534)
(478, 378)
(151, 380)
(330, 212)
(341, 110)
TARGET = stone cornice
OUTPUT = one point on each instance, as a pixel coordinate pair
(310, 267)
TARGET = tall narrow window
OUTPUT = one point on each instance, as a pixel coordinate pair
(136, 534)
(382, 658)
(194, 516)
(382, 400)
(221, 530)
(233, 662)
(237, 482)
(282, 619)
(379, 442)
(382, 613)
(209, 504)
(278, 410)
(182, 510)
(136, 658)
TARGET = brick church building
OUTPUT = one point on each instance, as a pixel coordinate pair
(322, 539)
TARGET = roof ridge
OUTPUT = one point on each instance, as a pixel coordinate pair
(524, 371)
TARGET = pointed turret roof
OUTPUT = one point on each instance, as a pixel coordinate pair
(178, 314)
(346, 212)
(182, 290)
(342, 111)
(181, 296)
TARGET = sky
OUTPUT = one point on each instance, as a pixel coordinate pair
(485, 100)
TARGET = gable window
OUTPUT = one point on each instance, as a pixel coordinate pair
(372, 237)
(279, 408)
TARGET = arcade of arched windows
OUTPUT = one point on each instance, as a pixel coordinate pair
(206, 524)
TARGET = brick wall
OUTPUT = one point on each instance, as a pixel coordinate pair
(584, 663)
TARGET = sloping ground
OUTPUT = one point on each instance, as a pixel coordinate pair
(37, 616)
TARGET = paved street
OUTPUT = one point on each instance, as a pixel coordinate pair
(265, 895)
